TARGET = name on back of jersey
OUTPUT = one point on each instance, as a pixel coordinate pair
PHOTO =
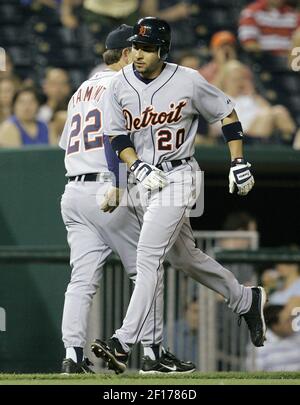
(90, 93)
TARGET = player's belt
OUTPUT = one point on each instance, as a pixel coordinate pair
(167, 166)
(101, 177)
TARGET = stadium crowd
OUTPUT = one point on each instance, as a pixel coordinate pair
(248, 49)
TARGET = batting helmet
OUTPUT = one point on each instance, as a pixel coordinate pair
(153, 31)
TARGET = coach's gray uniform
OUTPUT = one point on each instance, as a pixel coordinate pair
(93, 234)
(161, 119)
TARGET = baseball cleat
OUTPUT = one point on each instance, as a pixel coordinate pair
(111, 353)
(70, 367)
(166, 364)
(255, 317)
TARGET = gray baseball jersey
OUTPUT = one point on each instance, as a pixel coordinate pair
(93, 235)
(161, 119)
(82, 137)
(162, 116)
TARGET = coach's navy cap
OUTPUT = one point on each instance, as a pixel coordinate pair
(117, 39)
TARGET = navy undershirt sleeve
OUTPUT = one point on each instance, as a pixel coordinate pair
(115, 165)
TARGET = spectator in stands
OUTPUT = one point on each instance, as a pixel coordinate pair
(296, 143)
(9, 72)
(172, 11)
(7, 92)
(47, 3)
(56, 125)
(285, 288)
(238, 221)
(57, 89)
(234, 222)
(223, 49)
(189, 59)
(268, 25)
(289, 283)
(281, 351)
(179, 14)
(68, 13)
(261, 121)
(23, 128)
(101, 15)
(292, 308)
(8, 68)
(269, 279)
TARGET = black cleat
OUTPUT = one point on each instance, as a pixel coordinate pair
(255, 317)
(166, 364)
(70, 367)
(112, 353)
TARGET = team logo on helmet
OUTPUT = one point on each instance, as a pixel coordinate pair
(143, 30)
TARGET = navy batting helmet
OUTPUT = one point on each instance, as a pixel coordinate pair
(153, 31)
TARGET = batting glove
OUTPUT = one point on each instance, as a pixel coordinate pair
(240, 177)
(149, 176)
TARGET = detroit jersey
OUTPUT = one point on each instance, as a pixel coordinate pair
(161, 117)
(82, 137)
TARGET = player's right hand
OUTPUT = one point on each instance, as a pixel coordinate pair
(112, 199)
(149, 176)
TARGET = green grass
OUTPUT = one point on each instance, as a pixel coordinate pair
(198, 378)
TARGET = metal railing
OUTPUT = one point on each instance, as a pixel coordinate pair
(212, 340)
(216, 342)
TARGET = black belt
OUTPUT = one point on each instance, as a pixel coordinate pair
(106, 176)
(172, 163)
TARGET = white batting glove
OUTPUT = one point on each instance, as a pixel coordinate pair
(149, 176)
(240, 177)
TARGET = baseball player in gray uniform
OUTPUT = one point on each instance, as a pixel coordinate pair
(93, 234)
(152, 109)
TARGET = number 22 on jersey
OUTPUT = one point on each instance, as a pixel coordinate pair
(85, 131)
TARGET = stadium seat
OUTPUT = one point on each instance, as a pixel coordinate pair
(10, 13)
(217, 3)
(55, 34)
(15, 2)
(294, 102)
(63, 57)
(20, 55)
(297, 119)
(289, 82)
(77, 76)
(272, 63)
(218, 19)
(12, 35)
(45, 14)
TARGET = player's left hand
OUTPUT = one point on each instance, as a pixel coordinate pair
(112, 199)
(240, 177)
